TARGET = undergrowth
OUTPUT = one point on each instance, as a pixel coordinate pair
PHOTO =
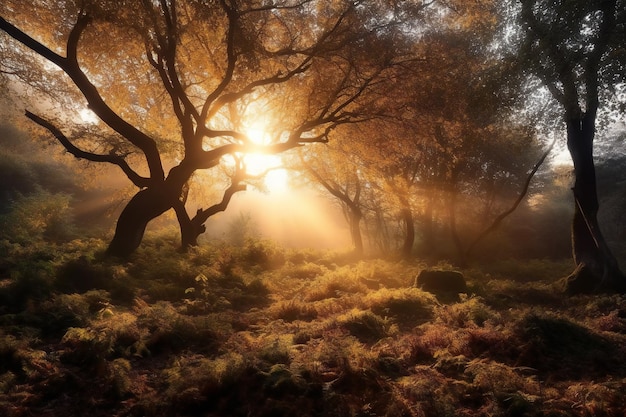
(258, 330)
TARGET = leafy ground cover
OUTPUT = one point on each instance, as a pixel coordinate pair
(259, 330)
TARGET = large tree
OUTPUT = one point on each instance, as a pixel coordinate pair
(177, 82)
(576, 48)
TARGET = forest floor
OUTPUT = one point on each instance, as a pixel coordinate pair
(264, 331)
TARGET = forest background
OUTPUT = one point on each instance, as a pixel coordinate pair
(250, 189)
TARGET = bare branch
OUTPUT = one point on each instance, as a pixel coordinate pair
(496, 222)
(138, 180)
(96, 103)
(233, 22)
(279, 78)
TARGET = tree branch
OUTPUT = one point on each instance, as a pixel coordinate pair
(496, 222)
(96, 103)
(138, 180)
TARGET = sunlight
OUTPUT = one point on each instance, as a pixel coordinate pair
(88, 116)
(275, 178)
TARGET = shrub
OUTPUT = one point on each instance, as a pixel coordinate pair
(293, 310)
(262, 253)
(193, 379)
(29, 283)
(378, 273)
(529, 270)
(336, 284)
(61, 312)
(275, 351)
(216, 292)
(304, 270)
(492, 376)
(11, 357)
(80, 275)
(364, 325)
(86, 347)
(38, 216)
(564, 348)
(127, 339)
(408, 307)
(119, 378)
(170, 331)
(470, 311)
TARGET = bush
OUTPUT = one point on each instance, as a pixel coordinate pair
(366, 326)
(564, 348)
(80, 275)
(293, 310)
(470, 311)
(86, 347)
(408, 307)
(193, 380)
(529, 270)
(39, 216)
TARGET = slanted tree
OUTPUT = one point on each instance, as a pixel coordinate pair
(576, 48)
(173, 80)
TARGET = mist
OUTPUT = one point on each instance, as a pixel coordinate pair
(294, 218)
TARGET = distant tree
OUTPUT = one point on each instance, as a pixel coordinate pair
(453, 133)
(338, 174)
(576, 48)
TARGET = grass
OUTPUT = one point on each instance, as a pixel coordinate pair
(262, 331)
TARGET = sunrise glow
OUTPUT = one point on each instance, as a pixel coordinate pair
(88, 116)
(275, 178)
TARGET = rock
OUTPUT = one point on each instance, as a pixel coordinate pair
(438, 281)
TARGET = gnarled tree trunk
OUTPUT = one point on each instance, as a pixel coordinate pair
(596, 266)
(146, 205)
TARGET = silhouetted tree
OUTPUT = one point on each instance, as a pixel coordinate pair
(577, 50)
(175, 78)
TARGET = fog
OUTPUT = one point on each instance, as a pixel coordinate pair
(293, 218)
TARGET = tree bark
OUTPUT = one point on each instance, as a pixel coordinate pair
(596, 266)
(146, 205)
(355, 232)
(192, 228)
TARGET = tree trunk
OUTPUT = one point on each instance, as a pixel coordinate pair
(146, 205)
(596, 267)
(355, 232)
(428, 226)
(409, 236)
(461, 260)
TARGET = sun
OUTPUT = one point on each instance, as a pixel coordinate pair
(275, 177)
(87, 116)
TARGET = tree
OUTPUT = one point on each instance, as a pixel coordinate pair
(177, 82)
(576, 48)
(335, 171)
(453, 132)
